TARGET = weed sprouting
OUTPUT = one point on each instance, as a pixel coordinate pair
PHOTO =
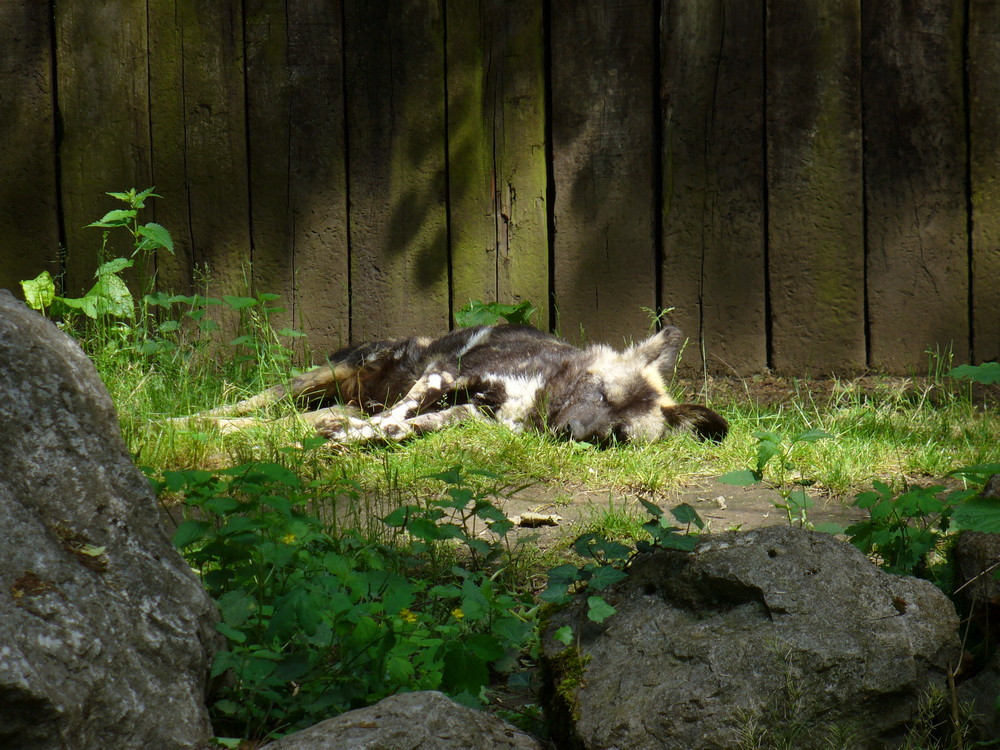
(319, 622)
(776, 450)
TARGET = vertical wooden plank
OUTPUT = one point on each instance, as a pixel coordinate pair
(522, 171)
(103, 105)
(915, 167)
(29, 227)
(297, 171)
(472, 179)
(984, 148)
(269, 126)
(174, 273)
(496, 153)
(394, 78)
(604, 258)
(713, 182)
(199, 142)
(815, 190)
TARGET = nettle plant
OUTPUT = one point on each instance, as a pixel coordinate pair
(318, 623)
(110, 295)
(606, 561)
(776, 451)
(166, 328)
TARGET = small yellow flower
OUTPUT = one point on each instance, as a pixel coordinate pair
(288, 539)
(407, 616)
(457, 613)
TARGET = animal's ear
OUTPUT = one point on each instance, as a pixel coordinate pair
(660, 350)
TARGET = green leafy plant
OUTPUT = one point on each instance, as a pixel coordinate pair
(110, 295)
(477, 313)
(317, 624)
(460, 516)
(905, 530)
(902, 530)
(776, 451)
(606, 560)
(978, 513)
(988, 373)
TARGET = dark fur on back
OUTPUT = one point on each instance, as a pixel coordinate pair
(517, 375)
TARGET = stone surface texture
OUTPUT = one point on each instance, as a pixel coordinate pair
(106, 634)
(428, 719)
(775, 628)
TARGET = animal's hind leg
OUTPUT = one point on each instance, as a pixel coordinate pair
(319, 384)
(393, 424)
(342, 428)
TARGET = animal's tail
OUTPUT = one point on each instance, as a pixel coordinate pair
(702, 421)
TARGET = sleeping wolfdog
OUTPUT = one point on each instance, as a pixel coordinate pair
(516, 375)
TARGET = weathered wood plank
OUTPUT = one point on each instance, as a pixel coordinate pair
(915, 167)
(199, 143)
(496, 153)
(29, 227)
(396, 168)
(815, 187)
(605, 213)
(297, 171)
(713, 182)
(174, 273)
(269, 133)
(984, 116)
(101, 71)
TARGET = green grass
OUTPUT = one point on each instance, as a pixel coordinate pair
(897, 437)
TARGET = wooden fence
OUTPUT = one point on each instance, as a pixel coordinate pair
(813, 185)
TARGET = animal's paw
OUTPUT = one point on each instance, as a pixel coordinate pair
(394, 429)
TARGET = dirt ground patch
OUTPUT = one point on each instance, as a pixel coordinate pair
(722, 507)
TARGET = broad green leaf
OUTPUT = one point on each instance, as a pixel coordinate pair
(485, 646)
(189, 532)
(654, 510)
(811, 436)
(156, 236)
(116, 218)
(978, 514)
(766, 450)
(236, 636)
(977, 472)
(401, 515)
(478, 313)
(740, 477)
(139, 199)
(116, 265)
(557, 591)
(834, 529)
(599, 610)
(604, 576)
(425, 529)
(682, 542)
(799, 498)
(463, 670)
(686, 514)
(564, 635)
(239, 303)
(449, 476)
(40, 291)
(236, 607)
(988, 373)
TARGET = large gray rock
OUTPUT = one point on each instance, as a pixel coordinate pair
(770, 635)
(977, 564)
(426, 719)
(105, 633)
(977, 559)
